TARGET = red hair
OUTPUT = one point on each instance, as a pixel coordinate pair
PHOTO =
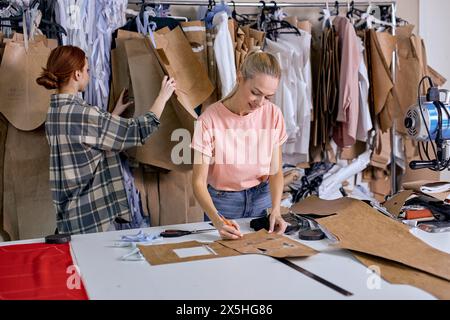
(61, 66)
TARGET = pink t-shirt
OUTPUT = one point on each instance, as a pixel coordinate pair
(241, 147)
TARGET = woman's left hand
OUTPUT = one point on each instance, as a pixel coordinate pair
(277, 223)
(121, 105)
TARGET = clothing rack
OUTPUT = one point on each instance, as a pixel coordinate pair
(331, 4)
(267, 4)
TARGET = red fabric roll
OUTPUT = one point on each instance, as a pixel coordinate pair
(39, 271)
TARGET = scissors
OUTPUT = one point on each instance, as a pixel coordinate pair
(172, 233)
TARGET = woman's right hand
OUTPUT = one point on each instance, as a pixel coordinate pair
(168, 86)
(229, 231)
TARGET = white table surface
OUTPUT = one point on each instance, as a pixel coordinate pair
(253, 277)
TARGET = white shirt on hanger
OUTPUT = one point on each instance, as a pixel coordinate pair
(294, 95)
(299, 149)
(224, 53)
(286, 95)
(364, 119)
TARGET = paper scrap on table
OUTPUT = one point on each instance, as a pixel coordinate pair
(192, 252)
(435, 187)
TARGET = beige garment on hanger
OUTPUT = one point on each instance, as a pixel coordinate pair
(382, 46)
(411, 68)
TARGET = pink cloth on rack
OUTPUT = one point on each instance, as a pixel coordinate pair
(348, 110)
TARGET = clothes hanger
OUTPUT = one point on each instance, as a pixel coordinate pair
(280, 24)
(241, 19)
(386, 15)
(262, 17)
(350, 9)
(180, 18)
(370, 20)
(211, 5)
(326, 16)
(284, 25)
(336, 9)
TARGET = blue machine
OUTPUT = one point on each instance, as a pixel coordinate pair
(435, 117)
(416, 125)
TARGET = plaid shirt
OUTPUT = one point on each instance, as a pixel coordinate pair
(85, 170)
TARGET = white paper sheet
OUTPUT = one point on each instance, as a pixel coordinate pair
(193, 252)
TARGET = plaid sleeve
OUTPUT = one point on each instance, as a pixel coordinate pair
(113, 133)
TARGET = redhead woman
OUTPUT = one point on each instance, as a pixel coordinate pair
(86, 175)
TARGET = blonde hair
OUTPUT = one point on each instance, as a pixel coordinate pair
(257, 62)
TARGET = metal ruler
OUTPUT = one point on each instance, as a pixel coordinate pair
(315, 277)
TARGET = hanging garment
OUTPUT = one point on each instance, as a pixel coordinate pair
(137, 217)
(212, 66)
(195, 32)
(89, 25)
(286, 95)
(27, 201)
(298, 151)
(208, 15)
(381, 156)
(294, 92)
(160, 23)
(224, 54)
(384, 95)
(27, 208)
(411, 68)
(326, 92)
(348, 110)
(245, 40)
(364, 119)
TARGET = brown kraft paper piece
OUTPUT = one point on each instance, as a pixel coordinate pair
(119, 64)
(397, 273)
(23, 102)
(165, 254)
(394, 205)
(260, 242)
(361, 228)
(195, 32)
(176, 197)
(269, 244)
(28, 208)
(177, 59)
(415, 186)
(146, 76)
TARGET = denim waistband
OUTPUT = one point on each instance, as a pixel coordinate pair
(257, 187)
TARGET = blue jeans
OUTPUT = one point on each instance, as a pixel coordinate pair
(247, 203)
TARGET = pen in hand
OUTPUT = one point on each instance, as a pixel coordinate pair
(231, 224)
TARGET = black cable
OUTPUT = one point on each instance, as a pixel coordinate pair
(441, 107)
(421, 112)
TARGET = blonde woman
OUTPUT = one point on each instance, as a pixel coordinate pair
(237, 144)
